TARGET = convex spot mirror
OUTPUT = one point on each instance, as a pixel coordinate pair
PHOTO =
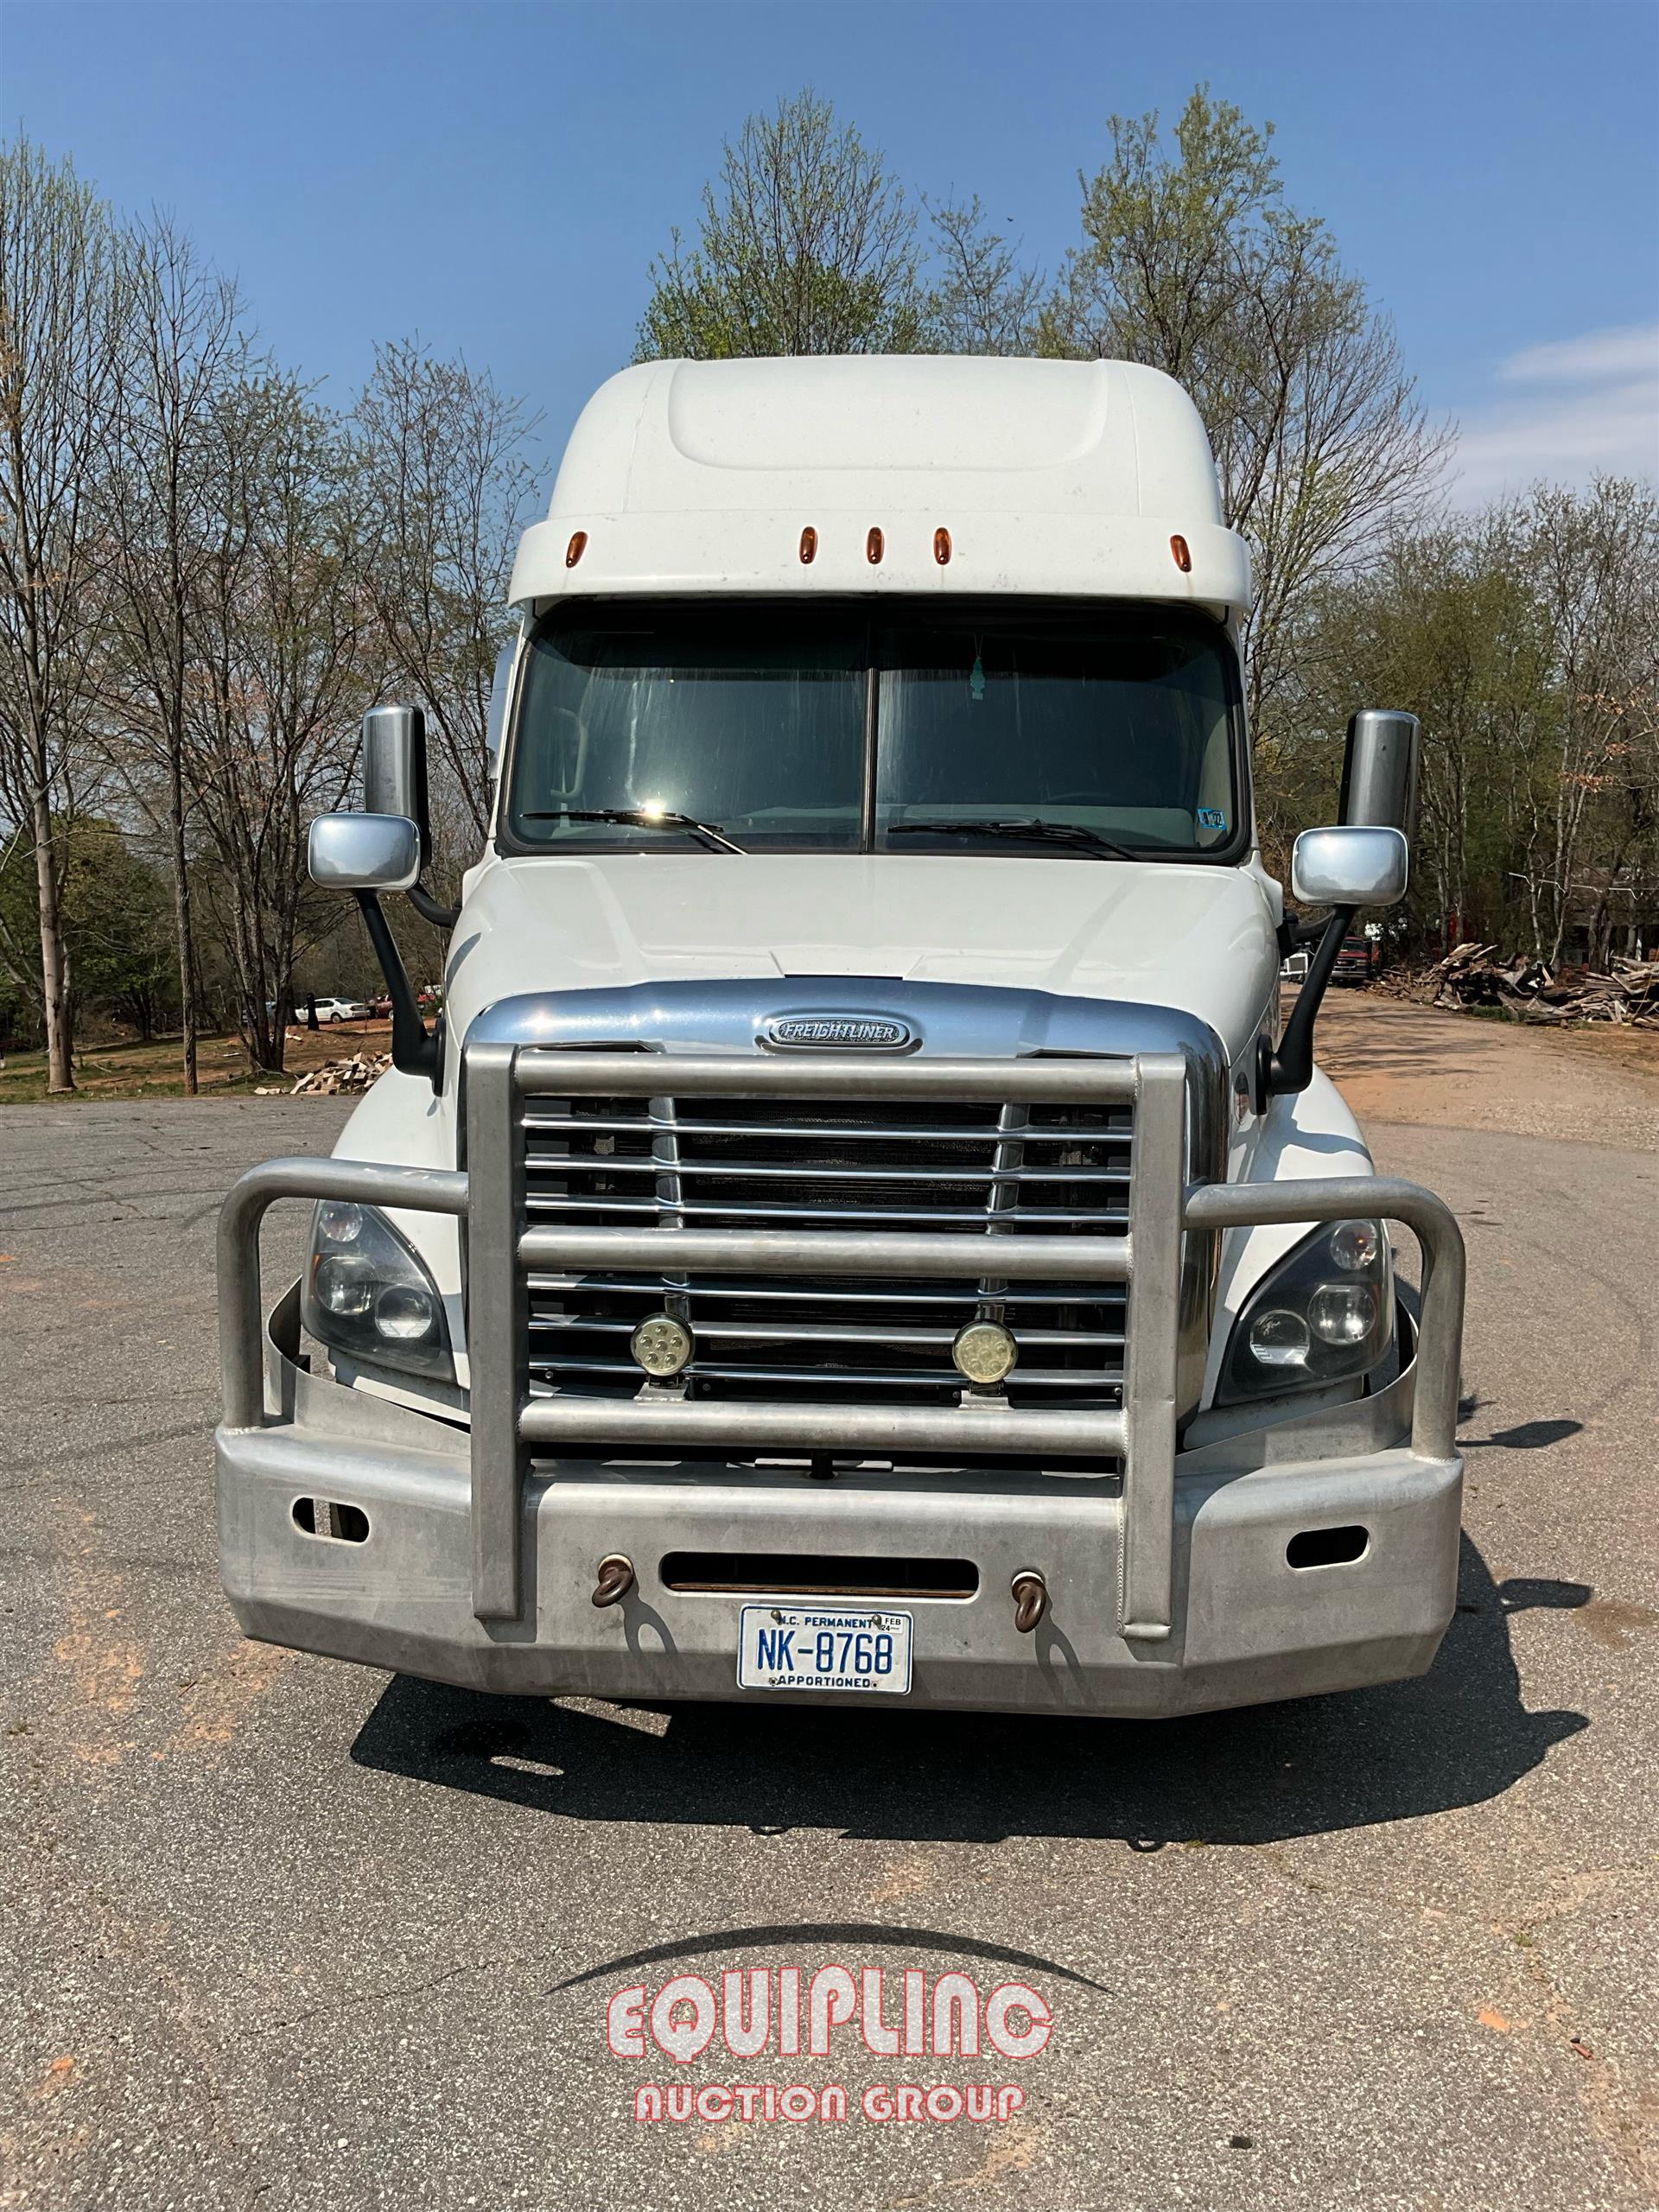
(394, 768)
(1350, 867)
(1379, 771)
(364, 852)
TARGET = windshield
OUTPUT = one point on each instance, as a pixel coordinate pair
(912, 727)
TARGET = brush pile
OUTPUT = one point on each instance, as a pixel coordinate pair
(1473, 974)
(336, 1076)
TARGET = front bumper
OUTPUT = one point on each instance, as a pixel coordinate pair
(1170, 1584)
(1248, 1627)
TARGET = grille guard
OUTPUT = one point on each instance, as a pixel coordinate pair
(506, 1421)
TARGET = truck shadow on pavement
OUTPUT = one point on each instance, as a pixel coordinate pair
(1457, 1737)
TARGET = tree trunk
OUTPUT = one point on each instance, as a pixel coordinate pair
(181, 920)
(55, 954)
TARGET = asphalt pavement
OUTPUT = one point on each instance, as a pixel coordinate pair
(282, 1932)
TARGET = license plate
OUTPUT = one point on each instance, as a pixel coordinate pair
(823, 1648)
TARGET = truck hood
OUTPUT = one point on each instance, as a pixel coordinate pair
(1197, 938)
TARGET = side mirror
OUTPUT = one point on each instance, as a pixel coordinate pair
(363, 852)
(394, 770)
(1379, 771)
(1343, 868)
(1350, 867)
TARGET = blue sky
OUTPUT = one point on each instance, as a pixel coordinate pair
(498, 176)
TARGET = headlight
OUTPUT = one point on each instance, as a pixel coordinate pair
(366, 1293)
(1324, 1314)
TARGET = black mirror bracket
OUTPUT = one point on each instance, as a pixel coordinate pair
(441, 917)
(414, 1051)
(1292, 936)
(1289, 1068)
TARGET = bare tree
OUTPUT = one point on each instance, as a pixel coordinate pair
(187, 351)
(983, 301)
(62, 298)
(807, 246)
(288, 657)
(1194, 264)
(447, 481)
(1592, 560)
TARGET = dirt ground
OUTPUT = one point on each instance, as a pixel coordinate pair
(1396, 1062)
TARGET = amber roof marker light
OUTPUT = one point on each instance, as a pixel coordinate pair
(575, 548)
(872, 546)
(809, 546)
(1183, 555)
(942, 546)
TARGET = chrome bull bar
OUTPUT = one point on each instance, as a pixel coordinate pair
(507, 1422)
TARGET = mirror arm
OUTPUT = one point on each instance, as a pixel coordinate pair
(1290, 1068)
(1293, 935)
(413, 1050)
(441, 917)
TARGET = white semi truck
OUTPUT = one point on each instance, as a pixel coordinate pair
(860, 1227)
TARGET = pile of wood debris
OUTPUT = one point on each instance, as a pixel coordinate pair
(1473, 974)
(335, 1076)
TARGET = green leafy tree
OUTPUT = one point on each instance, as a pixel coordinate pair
(806, 244)
(118, 924)
(1523, 638)
(1192, 262)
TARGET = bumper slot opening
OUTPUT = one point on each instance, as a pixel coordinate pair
(1328, 1547)
(816, 1575)
(340, 1524)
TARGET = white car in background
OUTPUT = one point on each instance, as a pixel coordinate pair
(328, 1010)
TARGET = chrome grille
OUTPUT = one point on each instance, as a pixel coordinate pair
(877, 1167)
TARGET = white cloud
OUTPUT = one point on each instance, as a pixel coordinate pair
(1565, 411)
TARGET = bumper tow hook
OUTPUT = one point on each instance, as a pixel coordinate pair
(1030, 1600)
(615, 1578)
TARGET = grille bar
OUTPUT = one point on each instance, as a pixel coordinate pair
(807, 1333)
(1087, 1260)
(672, 1210)
(1083, 1382)
(783, 1125)
(844, 1293)
(796, 1171)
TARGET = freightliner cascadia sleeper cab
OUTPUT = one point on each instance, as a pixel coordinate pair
(860, 1227)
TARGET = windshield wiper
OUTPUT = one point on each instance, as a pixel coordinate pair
(637, 817)
(1031, 826)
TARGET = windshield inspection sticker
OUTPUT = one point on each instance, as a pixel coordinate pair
(1211, 818)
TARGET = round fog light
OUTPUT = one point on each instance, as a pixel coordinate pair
(984, 1351)
(1280, 1339)
(662, 1346)
(1343, 1313)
